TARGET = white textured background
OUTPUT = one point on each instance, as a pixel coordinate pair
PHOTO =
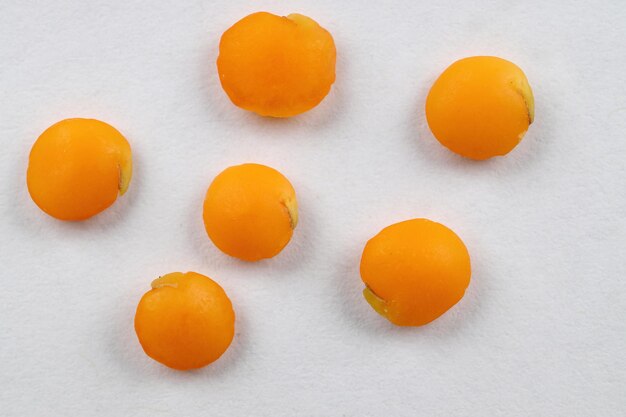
(542, 329)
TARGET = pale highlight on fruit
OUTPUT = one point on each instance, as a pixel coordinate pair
(77, 168)
(414, 271)
(276, 66)
(186, 321)
(250, 212)
(480, 107)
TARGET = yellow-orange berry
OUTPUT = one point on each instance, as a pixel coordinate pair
(77, 168)
(480, 107)
(276, 66)
(250, 211)
(185, 321)
(414, 271)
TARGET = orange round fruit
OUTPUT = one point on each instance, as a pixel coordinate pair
(480, 107)
(186, 321)
(250, 211)
(77, 168)
(277, 66)
(414, 271)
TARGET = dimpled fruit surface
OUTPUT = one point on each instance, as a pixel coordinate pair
(250, 211)
(185, 321)
(480, 107)
(77, 168)
(277, 66)
(414, 271)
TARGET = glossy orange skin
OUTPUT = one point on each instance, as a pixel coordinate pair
(250, 211)
(276, 66)
(480, 107)
(414, 271)
(77, 168)
(186, 321)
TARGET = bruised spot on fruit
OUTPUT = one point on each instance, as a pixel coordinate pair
(125, 171)
(521, 86)
(302, 20)
(378, 304)
(529, 99)
(291, 205)
(170, 280)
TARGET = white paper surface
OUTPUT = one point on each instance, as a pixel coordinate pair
(542, 328)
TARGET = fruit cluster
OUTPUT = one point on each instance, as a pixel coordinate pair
(413, 271)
